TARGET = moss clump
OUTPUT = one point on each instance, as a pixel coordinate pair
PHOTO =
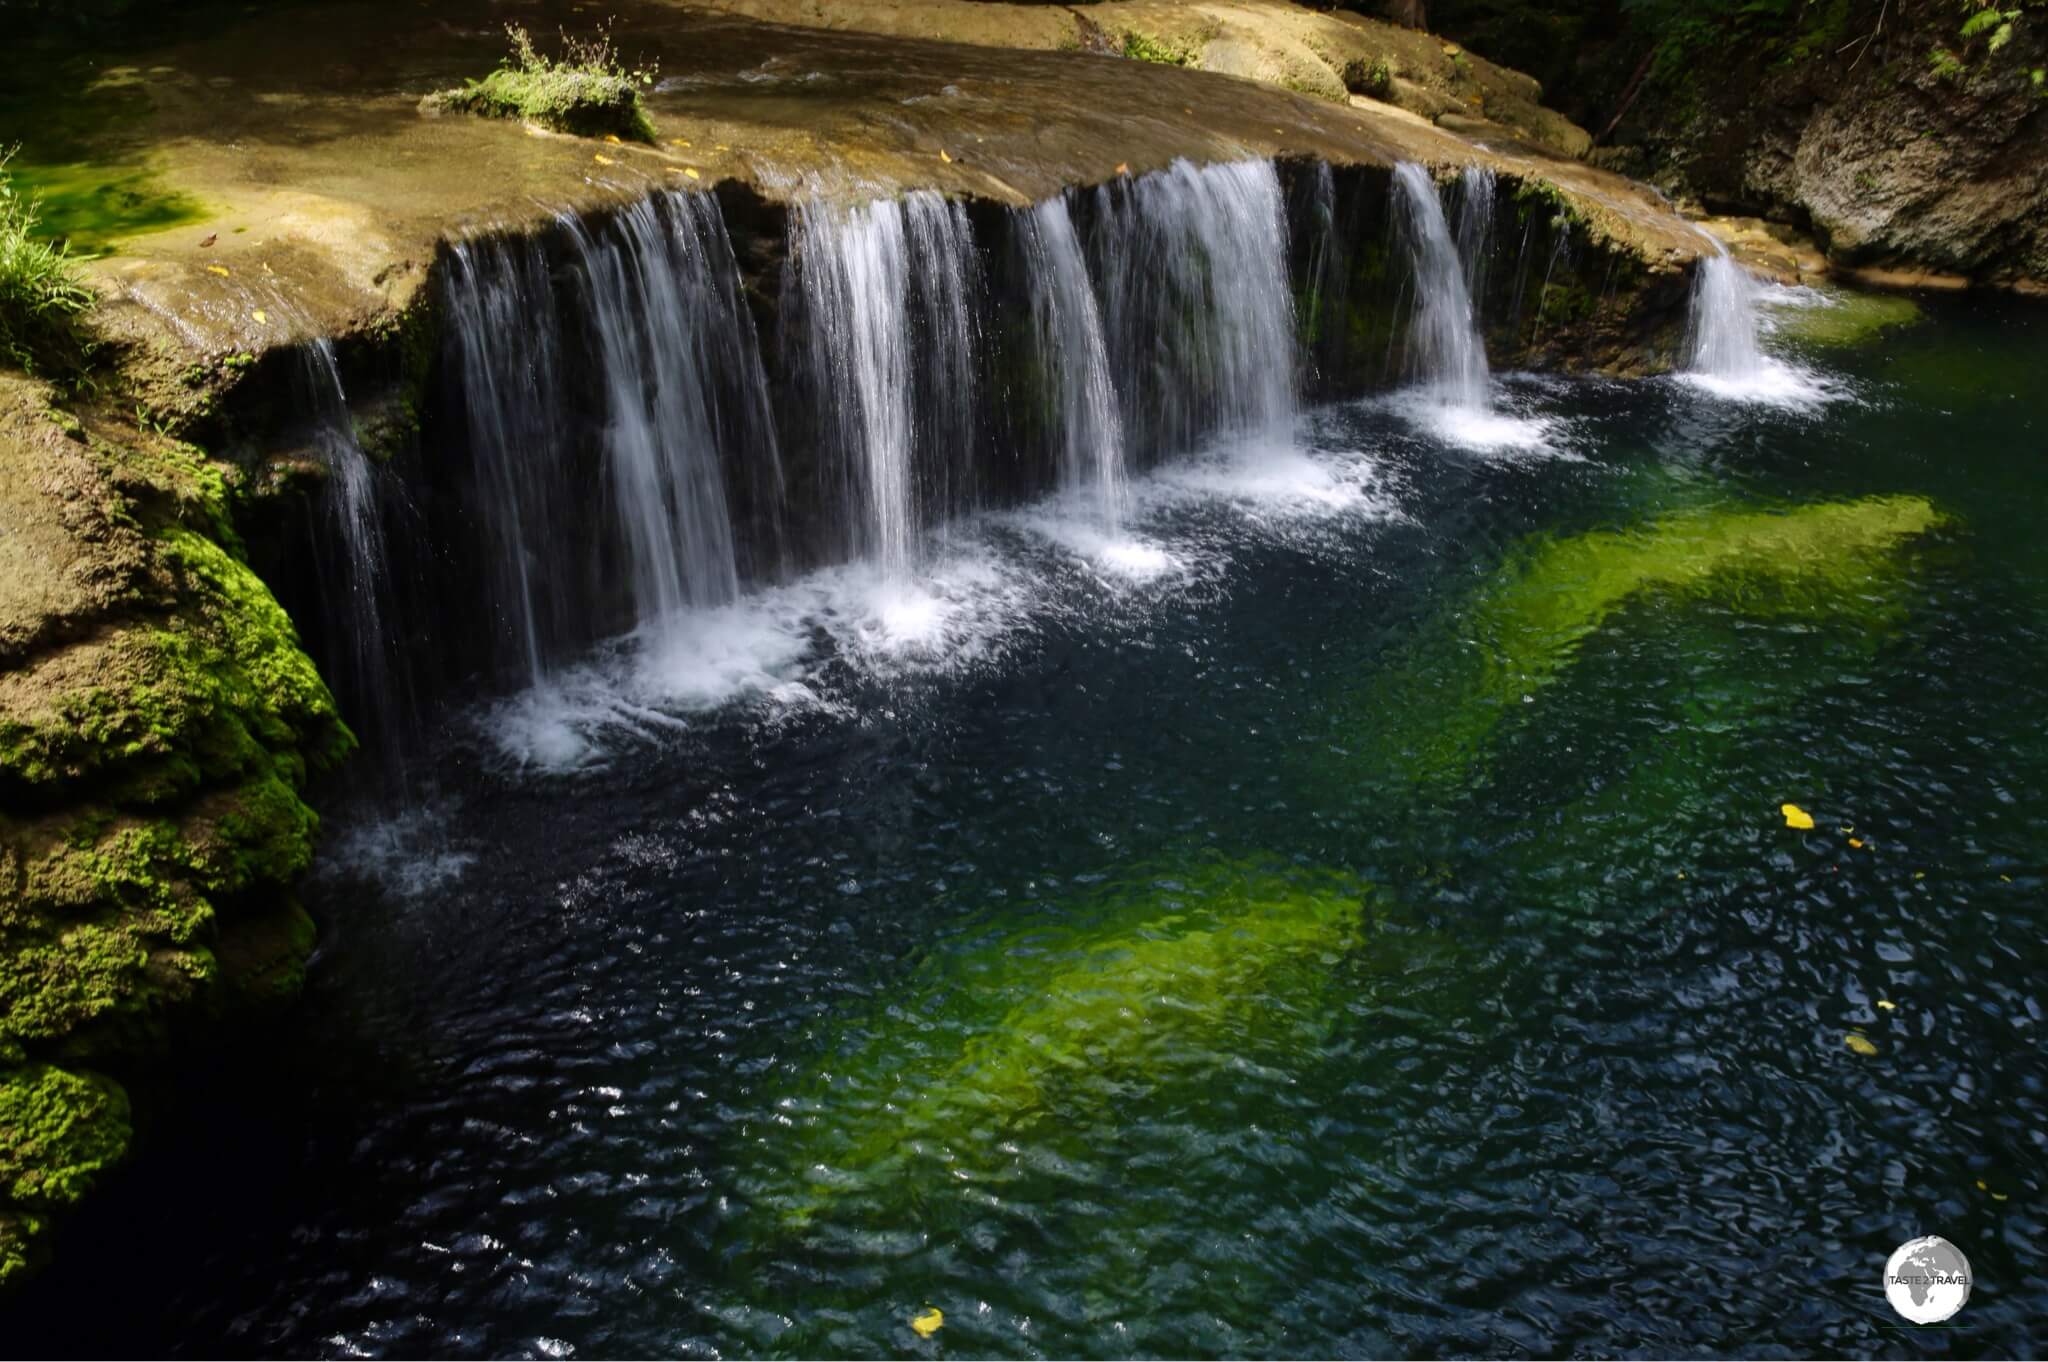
(1161, 51)
(59, 1131)
(587, 91)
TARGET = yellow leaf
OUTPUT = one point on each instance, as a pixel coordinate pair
(258, 315)
(1981, 1187)
(691, 171)
(679, 141)
(1796, 817)
(2006, 878)
(1919, 874)
(1887, 1004)
(221, 270)
(1860, 1044)
(944, 157)
(1123, 167)
(604, 160)
(927, 1323)
(1856, 842)
(2000, 1196)
(612, 138)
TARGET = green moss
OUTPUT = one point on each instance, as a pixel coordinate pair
(1164, 52)
(58, 1132)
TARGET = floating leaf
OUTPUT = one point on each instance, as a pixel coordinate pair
(1856, 842)
(1919, 874)
(691, 171)
(221, 270)
(2000, 1196)
(1860, 1044)
(1796, 817)
(1887, 1004)
(1123, 167)
(927, 1323)
(258, 315)
(612, 138)
(603, 160)
(944, 157)
(679, 141)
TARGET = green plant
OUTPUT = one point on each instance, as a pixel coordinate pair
(41, 296)
(588, 90)
(1143, 47)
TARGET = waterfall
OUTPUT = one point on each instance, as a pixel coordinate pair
(506, 337)
(1445, 351)
(356, 591)
(661, 337)
(1476, 187)
(1199, 316)
(887, 288)
(1722, 329)
(655, 328)
(1074, 359)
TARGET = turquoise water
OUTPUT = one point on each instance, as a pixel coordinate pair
(1352, 916)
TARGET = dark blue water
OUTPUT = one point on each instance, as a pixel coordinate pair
(1353, 917)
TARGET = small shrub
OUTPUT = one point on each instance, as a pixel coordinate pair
(587, 90)
(1143, 47)
(41, 296)
(1374, 78)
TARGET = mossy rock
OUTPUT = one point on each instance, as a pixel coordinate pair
(154, 754)
(585, 103)
(59, 1132)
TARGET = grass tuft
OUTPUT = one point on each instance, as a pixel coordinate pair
(587, 90)
(41, 296)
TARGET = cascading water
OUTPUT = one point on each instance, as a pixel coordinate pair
(357, 594)
(1722, 339)
(671, 352)
(1723, 353)
(1192, 263)
(1476, 189)
(1446, 354)
(1074, 359)
(506, 337)
(656, 324)
(886, 288)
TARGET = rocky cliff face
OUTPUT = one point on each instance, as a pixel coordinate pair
(1892, 164)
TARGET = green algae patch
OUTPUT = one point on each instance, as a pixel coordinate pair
(1845, 318)
(1040, 1022)
(94, 206)
(1522, 630)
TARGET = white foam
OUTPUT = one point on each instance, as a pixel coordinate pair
(1771, 382)
(409, 852)
(1485, 430)
(976, 587)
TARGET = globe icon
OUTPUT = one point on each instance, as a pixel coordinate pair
(1927, 1280)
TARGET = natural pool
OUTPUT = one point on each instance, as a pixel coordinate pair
(1349, 912)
